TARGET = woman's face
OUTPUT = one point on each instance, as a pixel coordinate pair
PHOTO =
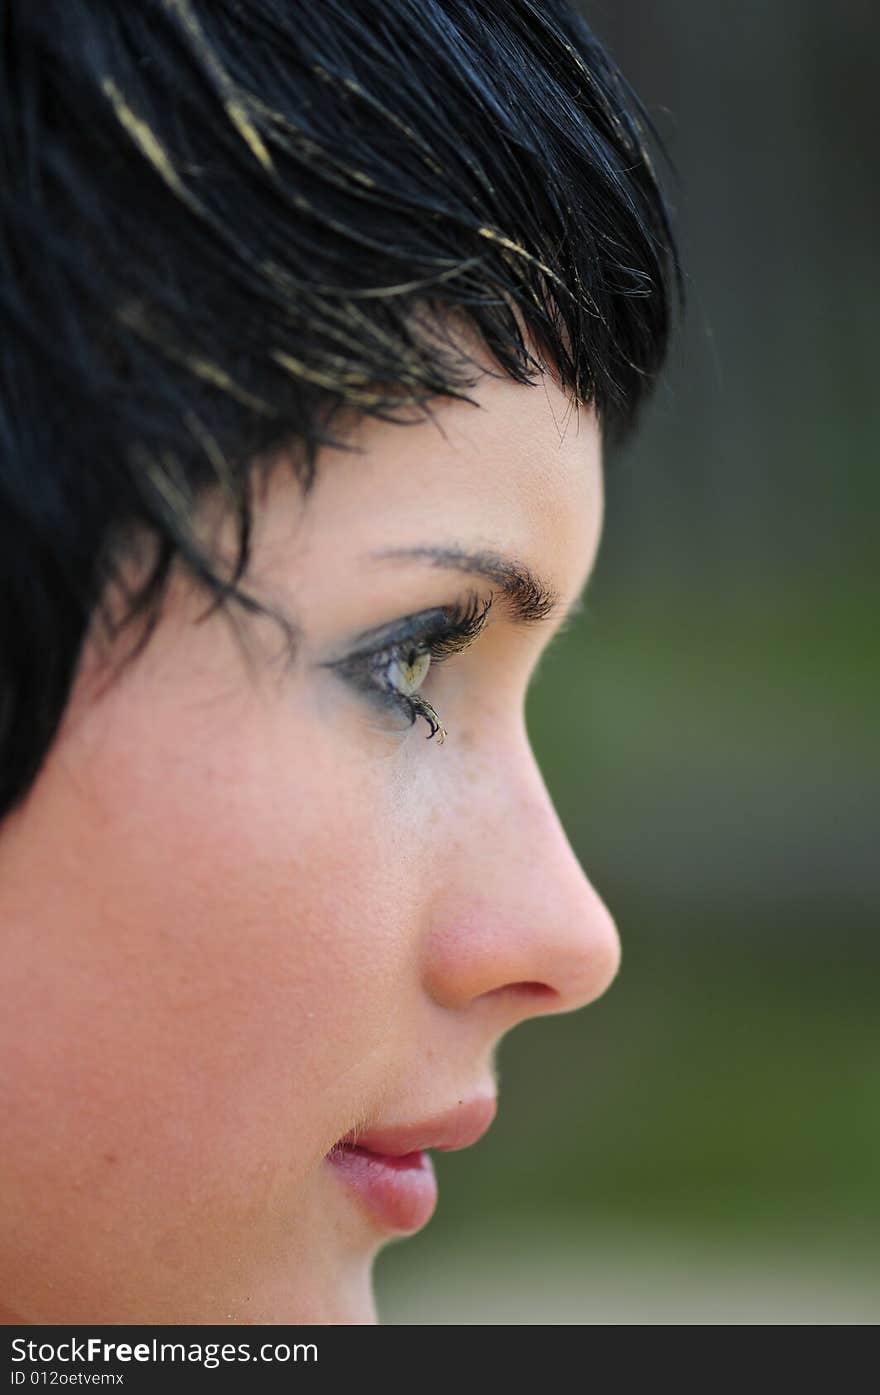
(249, 910)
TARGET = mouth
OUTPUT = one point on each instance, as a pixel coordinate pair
(389, 1171)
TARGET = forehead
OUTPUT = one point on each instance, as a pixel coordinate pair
(519, 474)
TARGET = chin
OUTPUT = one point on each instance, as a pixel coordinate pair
(353, 1304)
(345, 1300)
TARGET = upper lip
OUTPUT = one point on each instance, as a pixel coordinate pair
(457, 1127)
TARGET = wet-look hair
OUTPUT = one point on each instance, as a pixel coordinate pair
(227, 224)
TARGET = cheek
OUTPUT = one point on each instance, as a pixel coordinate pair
(202, 991)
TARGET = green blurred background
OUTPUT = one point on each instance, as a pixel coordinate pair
(702, 1145)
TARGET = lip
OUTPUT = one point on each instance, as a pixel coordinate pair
(389, 1171)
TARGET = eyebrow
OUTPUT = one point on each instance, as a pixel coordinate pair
(529, 598)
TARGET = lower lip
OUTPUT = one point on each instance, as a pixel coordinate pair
(400, 1193)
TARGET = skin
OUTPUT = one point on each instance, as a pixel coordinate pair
(245, 911)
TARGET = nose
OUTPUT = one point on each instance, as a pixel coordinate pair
(514, 915)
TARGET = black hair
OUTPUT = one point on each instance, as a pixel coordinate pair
(225, 225)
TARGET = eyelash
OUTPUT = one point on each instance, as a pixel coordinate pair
(447, 631)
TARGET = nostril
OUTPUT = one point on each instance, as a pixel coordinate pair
(531, 992)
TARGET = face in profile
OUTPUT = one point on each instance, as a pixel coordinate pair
(267, 922)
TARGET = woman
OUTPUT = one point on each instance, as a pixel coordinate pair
(315, 320)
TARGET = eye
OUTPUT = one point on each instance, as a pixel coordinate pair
(406, 672)
(402, 672)
(391, 671)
